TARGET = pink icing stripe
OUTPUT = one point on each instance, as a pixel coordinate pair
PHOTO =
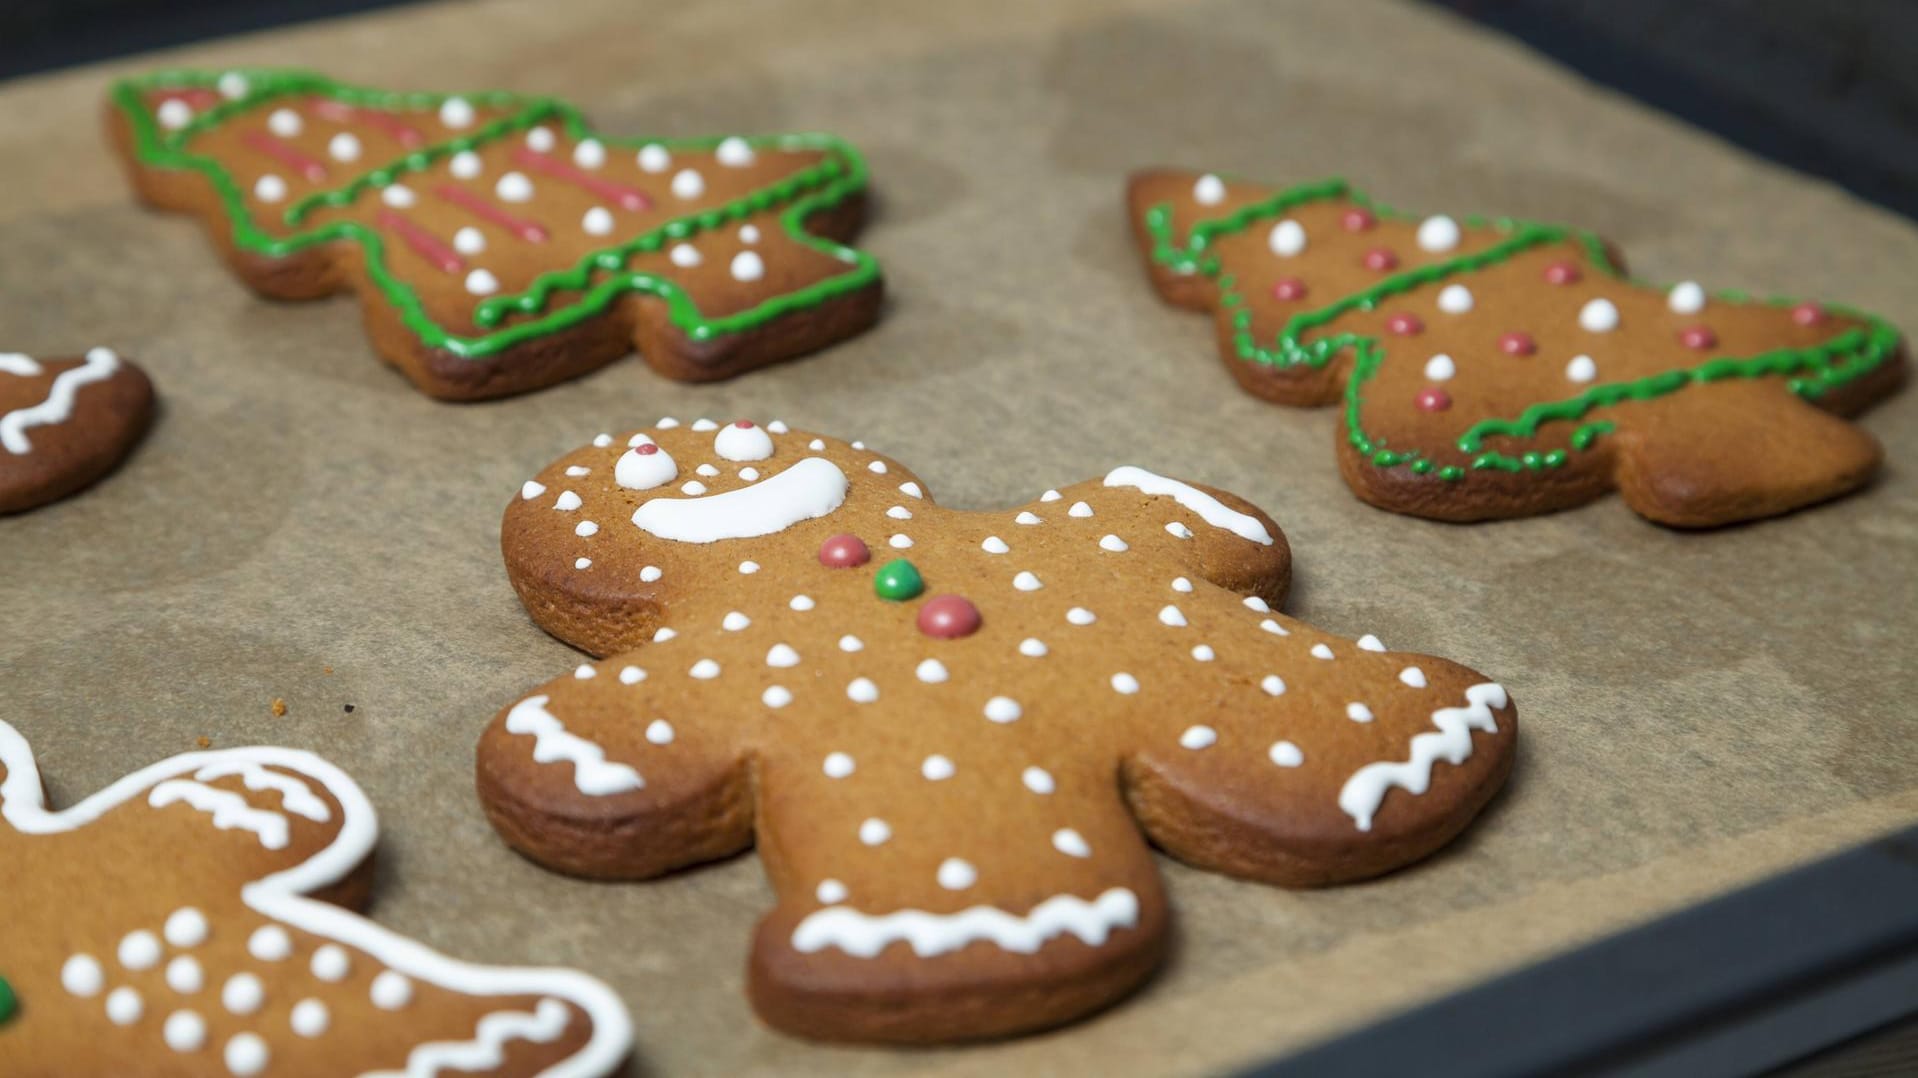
(530, 231)
(628, 198)
(197, 98)
(424, 243)
(340, 113)
(287, 155)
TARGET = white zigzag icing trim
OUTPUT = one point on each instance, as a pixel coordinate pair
(1366, 789)
(864, 935)
(592, 774)
(487, 1050)
(296, 796)
(229, 810)
(100, 365)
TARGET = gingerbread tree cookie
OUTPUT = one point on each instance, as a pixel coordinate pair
(498, 243)
(951, 734)
(1497, 368)
(187, 920)
(66, 422)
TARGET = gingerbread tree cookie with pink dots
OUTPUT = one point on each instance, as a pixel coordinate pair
(497, 243)
(190, 919)
(1493, 368)
(952, 736)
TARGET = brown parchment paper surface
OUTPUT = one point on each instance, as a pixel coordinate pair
(1699, 709)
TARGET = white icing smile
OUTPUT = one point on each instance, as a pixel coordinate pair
(811, 488)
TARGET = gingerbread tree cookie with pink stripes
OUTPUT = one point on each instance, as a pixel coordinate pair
(498, 243)
(188, 920)
(1498, 368)
(951, 735)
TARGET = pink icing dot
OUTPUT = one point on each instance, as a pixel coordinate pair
(1698, 337)
(1288, 289)
(1517, 344)
(743, 424)
(1432, 399)
(1808, 314)
(1380, 259)
(1561, 273)
(1357, 220)
(1404, 324)
(646, 450)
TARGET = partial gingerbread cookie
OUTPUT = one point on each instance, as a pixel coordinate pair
(1497, 368)
(187, 920)
(497, 243)
(64, 423)
(951, 734)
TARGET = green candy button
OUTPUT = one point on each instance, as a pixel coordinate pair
(898, 580)
(8, 1003)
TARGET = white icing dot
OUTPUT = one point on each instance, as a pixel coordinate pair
(1113, 543)
(285, 123)
(185, 927)
(667, 423)
(1038, 780)
(1455, 299)
(391, 991)
(801, 602)
(850, 642)
(124, 1006)
(1125, 683)
(469, 241)
(994, 545)
(631, 675)
(659, 732)
(1071, 843)
(465, 165)
(1273, 685)
(1181, 584)
(398, 195)
(684, 255)
(688, 183)
(576, 471)
(243, 993)
(1287, 238)
(174, 113)
(650, 573)
(1273, 627)
(1198, 737)
(899, 512)
(589, 153)
(838, 765)
(748, 266)
(1079, 509)
(310, 1018)
(931, 671)
(82, 976)
(1413, 676)
(1178, 530)
(748, 568)
(663, 635)
(1581, 369)
(1320, 651)
(1027, 518)
(1368, 642)
(604, 440)
(734, 152)
(749, 234)
(654, 158)
(481, 282)
(1209, 190)
(584, 671)
(782, 655)
(598, 221)
(1358, 712)
(140, 950)
(1285, 754)
(936, 768)
(704, 670)
(1003, 709)
(831, 892)
(1598, 316)
(776, 696)
(567, 501)
(586, 529)
(957, 875)
(540, 138)
(1252, 602)
(1050, 496)
(1171, 616)
(1440, 368)
(874, 831)
(1438, 233)
(877, 467)
(910, 490)
(184, 975)
(344, 146)
(1204, 653)
(1687, 297)
(734, 621)
(184, 1031)
(456, 112)
(270, 943)
(1079, 615)
(1026, 581)
(899, 542)
(1032, 647)
(269, 188)
(749, 474)
(862, 691)
(514, 187)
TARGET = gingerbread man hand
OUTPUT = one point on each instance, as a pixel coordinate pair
(187, 920)
(1500, 368)
(951, 734)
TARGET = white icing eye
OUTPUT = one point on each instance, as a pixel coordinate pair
(743, 440)
(644, 467)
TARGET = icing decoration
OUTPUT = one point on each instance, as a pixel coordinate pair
(530, 231)
(627, 198)
(100, 365)
(1686, 297)
(423, 243)
(811, 488)
(928, 934)
(1380, 260)
(898, 580)
(593, 774)
(1288, 289)
(644, 467)
(1404, 325)
(1697, 337)
(1432, 399)
(948, 617)
(313, 170)
(844, 552)
(1362, 793)
(1517, 344)
(742, 441)
(1210, 509)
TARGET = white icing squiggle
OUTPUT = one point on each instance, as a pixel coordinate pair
(1210, 509)
(229, 810)
(592, 774)
(811, 488)
(21, 364)
(864, 935)
(296, 796)
(1366, 789)
(487, 1050)
(58, 407)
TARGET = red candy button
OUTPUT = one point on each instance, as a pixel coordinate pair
(1378, 260)
(1433, 399)
(1808, 314)
(646, 449)
(844, 552)
(1517, 344)
(948, 617)
(1357, 220)
(1699, 337)
(1404, 324)
(743, 424)
(1561, 273)
(1288, 289)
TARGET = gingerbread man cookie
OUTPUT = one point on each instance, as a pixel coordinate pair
(187, 920)
(64, 423)
(1497, 368)
(951, 734)
(498, 243)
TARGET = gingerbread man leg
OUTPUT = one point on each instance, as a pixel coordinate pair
(950, 734)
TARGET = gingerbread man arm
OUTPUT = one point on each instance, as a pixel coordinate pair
(1498, 368)
(498, 243)
(228, 950)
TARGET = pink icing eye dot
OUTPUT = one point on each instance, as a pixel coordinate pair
(1379, 260)
(1288, 289)
(1517, 344)
(743, 424)
(844, 552)
(646, 449)
(1357, 220)
(1561, 273)
(948, 617)
(1808, 314)
(1432, 399)
(1698, 337)
(1404, 324)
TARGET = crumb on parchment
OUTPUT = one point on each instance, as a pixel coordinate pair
(279, 707)
(203, 742)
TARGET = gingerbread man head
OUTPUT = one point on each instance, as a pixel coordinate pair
(187, 920)
(951, 735)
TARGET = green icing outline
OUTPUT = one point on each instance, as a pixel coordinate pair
(1810, 371)
(839, 175)
(9, 1002)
